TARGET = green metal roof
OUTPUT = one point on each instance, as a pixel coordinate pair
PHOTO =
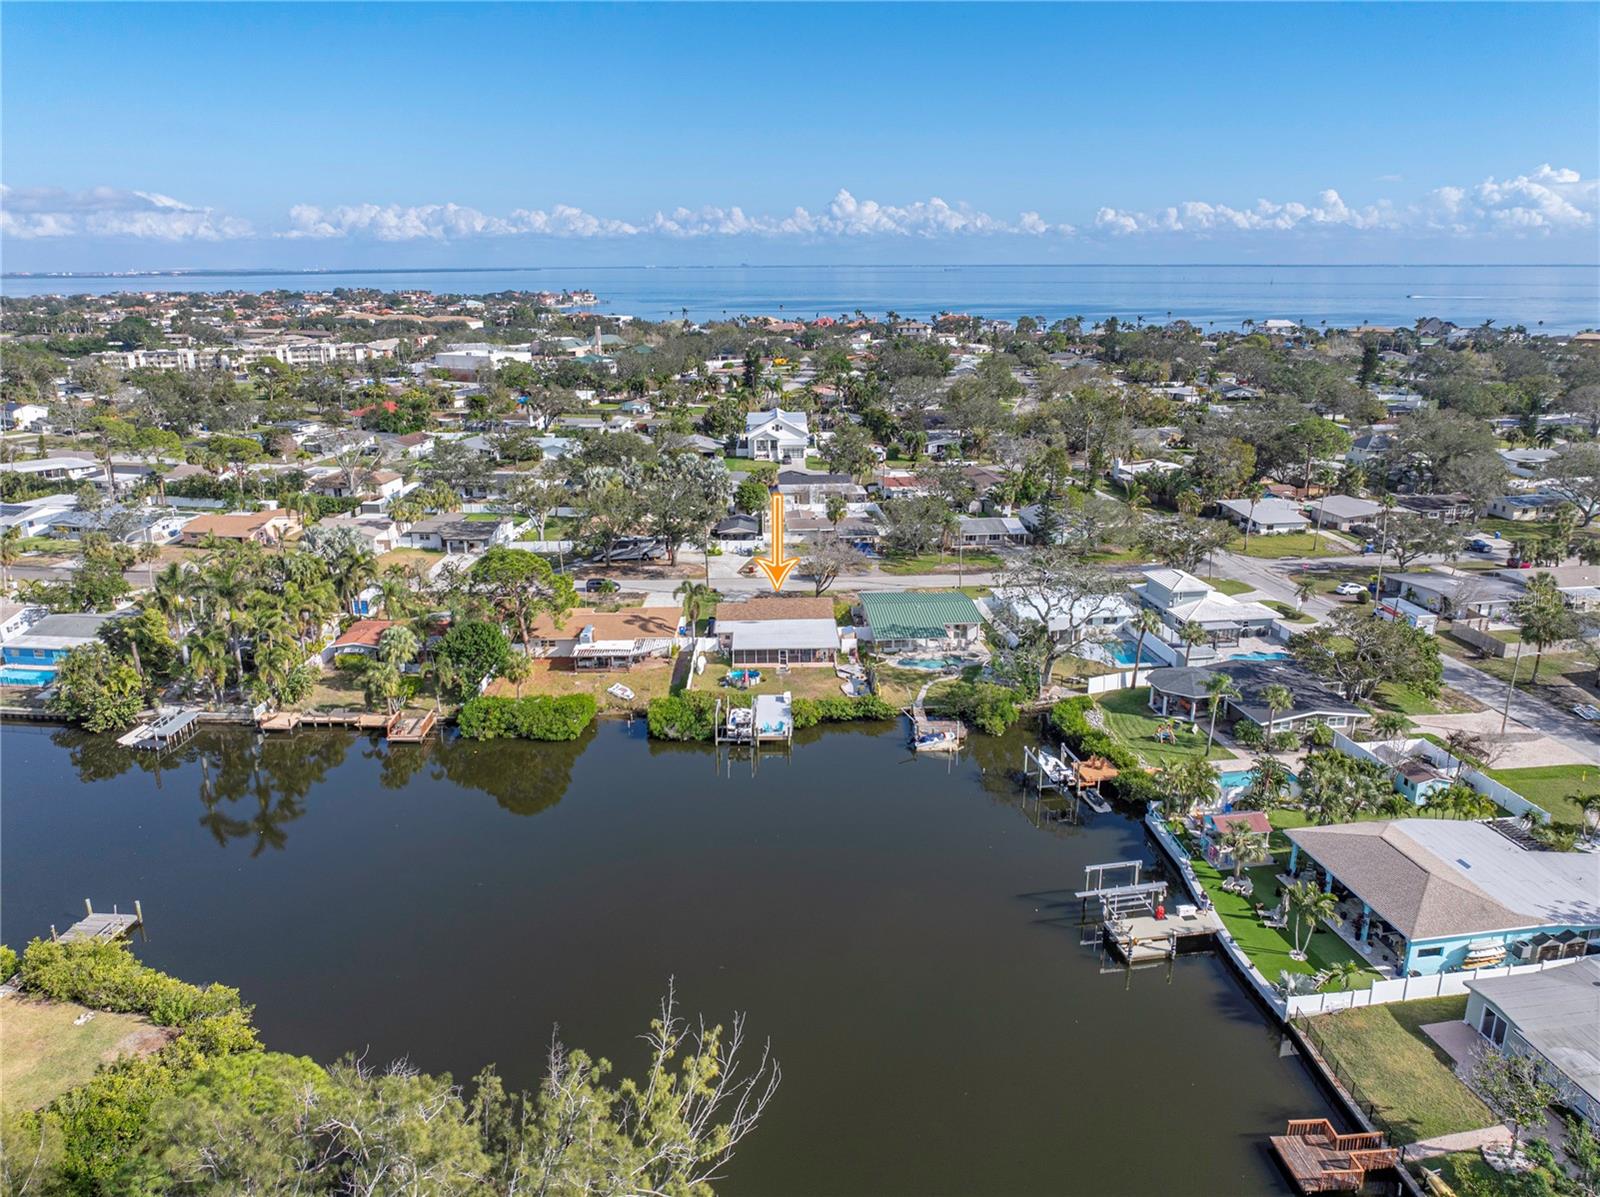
(908, 616)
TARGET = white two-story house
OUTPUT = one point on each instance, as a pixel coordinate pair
(777, 435)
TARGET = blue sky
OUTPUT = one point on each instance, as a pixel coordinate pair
(153, 136)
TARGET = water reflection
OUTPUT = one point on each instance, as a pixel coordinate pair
(252, 787)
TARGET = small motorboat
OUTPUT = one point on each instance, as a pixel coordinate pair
(937, 741)
(618, 690)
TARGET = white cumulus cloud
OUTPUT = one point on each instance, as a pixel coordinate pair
(31, 212)
(1550, 200)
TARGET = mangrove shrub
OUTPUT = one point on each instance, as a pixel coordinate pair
(536, 717)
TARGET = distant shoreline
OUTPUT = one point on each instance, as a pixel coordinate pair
(288, 271)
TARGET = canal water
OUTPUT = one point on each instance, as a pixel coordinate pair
(899, 927)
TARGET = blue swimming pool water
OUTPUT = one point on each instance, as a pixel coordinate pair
(1260, 657)
(22, 675)
(1123, 653)
(1237, 779)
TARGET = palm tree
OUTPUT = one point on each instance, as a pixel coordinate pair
(1148, 623)
(1269, 782)
(1302, 593)
(1278, 698)
(1309, 906)
(1342, 974)
(1193, 635)
(517, 670)
(1221, 688)
(1389, 724)
(10, 553)
(696, 596)
(1190, 779)
(1255, 492)
(1245, 846)
(1590, 805)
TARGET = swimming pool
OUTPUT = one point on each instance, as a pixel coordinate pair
(1259, 657)
(1123, 653)
(930, 663)
(1237, 779)
(22, 675)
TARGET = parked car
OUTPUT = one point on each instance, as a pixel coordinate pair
(1587, 711)
(1348, 588)
(597, 585)
(1481, 546)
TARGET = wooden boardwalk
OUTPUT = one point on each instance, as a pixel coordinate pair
(406, 728)
(1320, 1160)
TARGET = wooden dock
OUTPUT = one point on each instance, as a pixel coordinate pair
(1320, 1160)
(1140, 938)
(411, 729)
(101, 928)
(168, 731)
(403, 728)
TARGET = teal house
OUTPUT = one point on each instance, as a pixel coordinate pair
(1423, 896)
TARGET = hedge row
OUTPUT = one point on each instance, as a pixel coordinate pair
(536, 717)
(1132, 784)
(106, 976)
(692, 716)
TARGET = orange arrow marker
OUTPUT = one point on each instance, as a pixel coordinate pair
(775, 565)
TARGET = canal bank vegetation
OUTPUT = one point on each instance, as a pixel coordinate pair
(692, 715)
(213, 1111)
(537, 717)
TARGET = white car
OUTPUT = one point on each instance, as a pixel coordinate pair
(1348, 588)
(1585, 710)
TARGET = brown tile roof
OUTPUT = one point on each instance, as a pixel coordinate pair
(231, 525)
(776, 607)
(1255, 820)
(364, 633)
(630, 623)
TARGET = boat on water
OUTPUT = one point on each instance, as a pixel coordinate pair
(1054, 767)
(937, 741)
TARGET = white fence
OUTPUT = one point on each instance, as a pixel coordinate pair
(1121, 680)
(1502, 796)
(1409, 989)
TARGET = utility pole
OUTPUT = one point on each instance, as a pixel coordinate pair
(1511, 686)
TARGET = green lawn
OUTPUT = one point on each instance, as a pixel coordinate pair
(1287, 610)
(1408, 700)
(1267, 947)
(1558, 672)
(1290, 544)
(42, 1054)
(1400, 1070)
(1557, 788)
(1229, 586)
(1133, 723)
(941, 563)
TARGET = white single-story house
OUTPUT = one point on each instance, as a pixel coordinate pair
(1552, 1016)
(1342, 512)
(1534, 505)
(453, 534)
(1265, 517)
(774, 630)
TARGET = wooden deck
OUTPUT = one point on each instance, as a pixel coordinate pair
(100, 927)
(289, 720)
(411, 729)
(1144, 937)
(1320, 1160)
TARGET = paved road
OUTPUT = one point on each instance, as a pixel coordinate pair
(1534, 712)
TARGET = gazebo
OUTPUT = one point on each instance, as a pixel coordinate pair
(1180, 691)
